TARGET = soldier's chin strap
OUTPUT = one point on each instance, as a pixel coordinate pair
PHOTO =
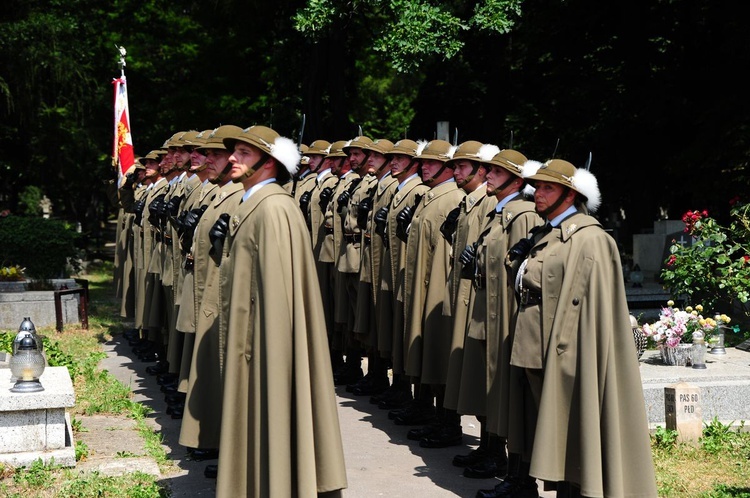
(556, 204)
(220, 179)
(474, 169)
(503, 186)
(436, 175)
(263, 158)
(406, 169)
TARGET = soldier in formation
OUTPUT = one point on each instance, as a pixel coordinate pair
(472, 280)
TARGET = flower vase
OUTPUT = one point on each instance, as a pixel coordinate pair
(676, 356)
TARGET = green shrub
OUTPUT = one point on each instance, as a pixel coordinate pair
(42, 246)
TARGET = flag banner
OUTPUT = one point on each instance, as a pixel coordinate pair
(123, 156)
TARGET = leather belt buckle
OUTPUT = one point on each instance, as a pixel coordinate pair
(189, 263)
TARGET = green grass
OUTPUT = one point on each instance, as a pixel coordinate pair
(97, 392)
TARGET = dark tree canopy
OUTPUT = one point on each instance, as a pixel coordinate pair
(652, 90)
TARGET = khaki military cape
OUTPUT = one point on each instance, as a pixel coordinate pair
(391, 339)
(493, 311)
(373, 255)
(592, 428)
(473, 212)
(201, 419)
(427, 332)
(280, 432)
(322, 244)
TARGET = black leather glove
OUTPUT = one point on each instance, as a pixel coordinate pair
(304, 201)
(218, 233)
(129, 181)
(325, 198)
(448, 228)
(154, 209)
(403, 220)
(179, 222)
(520, 249)
(363, 212)
(381, 221)
(342, 200)
(467, 257)
(138, 210)
(173, 205)
(189, 223)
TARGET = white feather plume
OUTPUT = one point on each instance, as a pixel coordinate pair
(421, 144)
(530, 168)
(528, 191)
(286, 152)
(487, 152)
(585, 183)
(451, 150)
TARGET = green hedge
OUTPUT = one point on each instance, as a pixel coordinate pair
(42, 246)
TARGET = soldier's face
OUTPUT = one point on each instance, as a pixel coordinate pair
(462, 169)
(181, 157)
(216, 161)
(152, 168)
(547, 194)
(430, 167)
(357, 157)
(399, 163)
(197, 160)
(167, 162)
(375, 161)
(243, 159)
(338, 164)
(496, 177)
(315, 161)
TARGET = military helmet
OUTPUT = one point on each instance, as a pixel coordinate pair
(405, 146)
(319, 147)
(198, 140)
(171, 141)
(361, 141)
(440, 150)
(509, 159)
(215, 139)
(337, 149)
(381, 145)
(303, 150)
(185, 139)
(283, 149)
(578, 179)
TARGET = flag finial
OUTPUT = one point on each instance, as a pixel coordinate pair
(121, 62)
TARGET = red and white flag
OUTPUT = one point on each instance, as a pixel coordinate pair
(123, 156)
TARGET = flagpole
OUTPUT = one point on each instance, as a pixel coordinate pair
(123, 155)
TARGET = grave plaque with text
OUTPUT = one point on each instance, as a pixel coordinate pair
(682, 410)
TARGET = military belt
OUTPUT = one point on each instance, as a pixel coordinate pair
(530, 298)
(189, 262)
(168, 239)
(329, 230)
(367, 238)
(351, 238)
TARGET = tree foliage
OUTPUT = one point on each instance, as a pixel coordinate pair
(648, 88)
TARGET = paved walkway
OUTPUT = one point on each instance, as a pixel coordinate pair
(380, 461)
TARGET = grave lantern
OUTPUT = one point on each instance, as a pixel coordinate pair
(699, 350)
(27, 364)
(718, 346)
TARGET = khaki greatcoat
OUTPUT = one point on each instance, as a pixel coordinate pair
(591, 428)
(280, 433)
(427, 332)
